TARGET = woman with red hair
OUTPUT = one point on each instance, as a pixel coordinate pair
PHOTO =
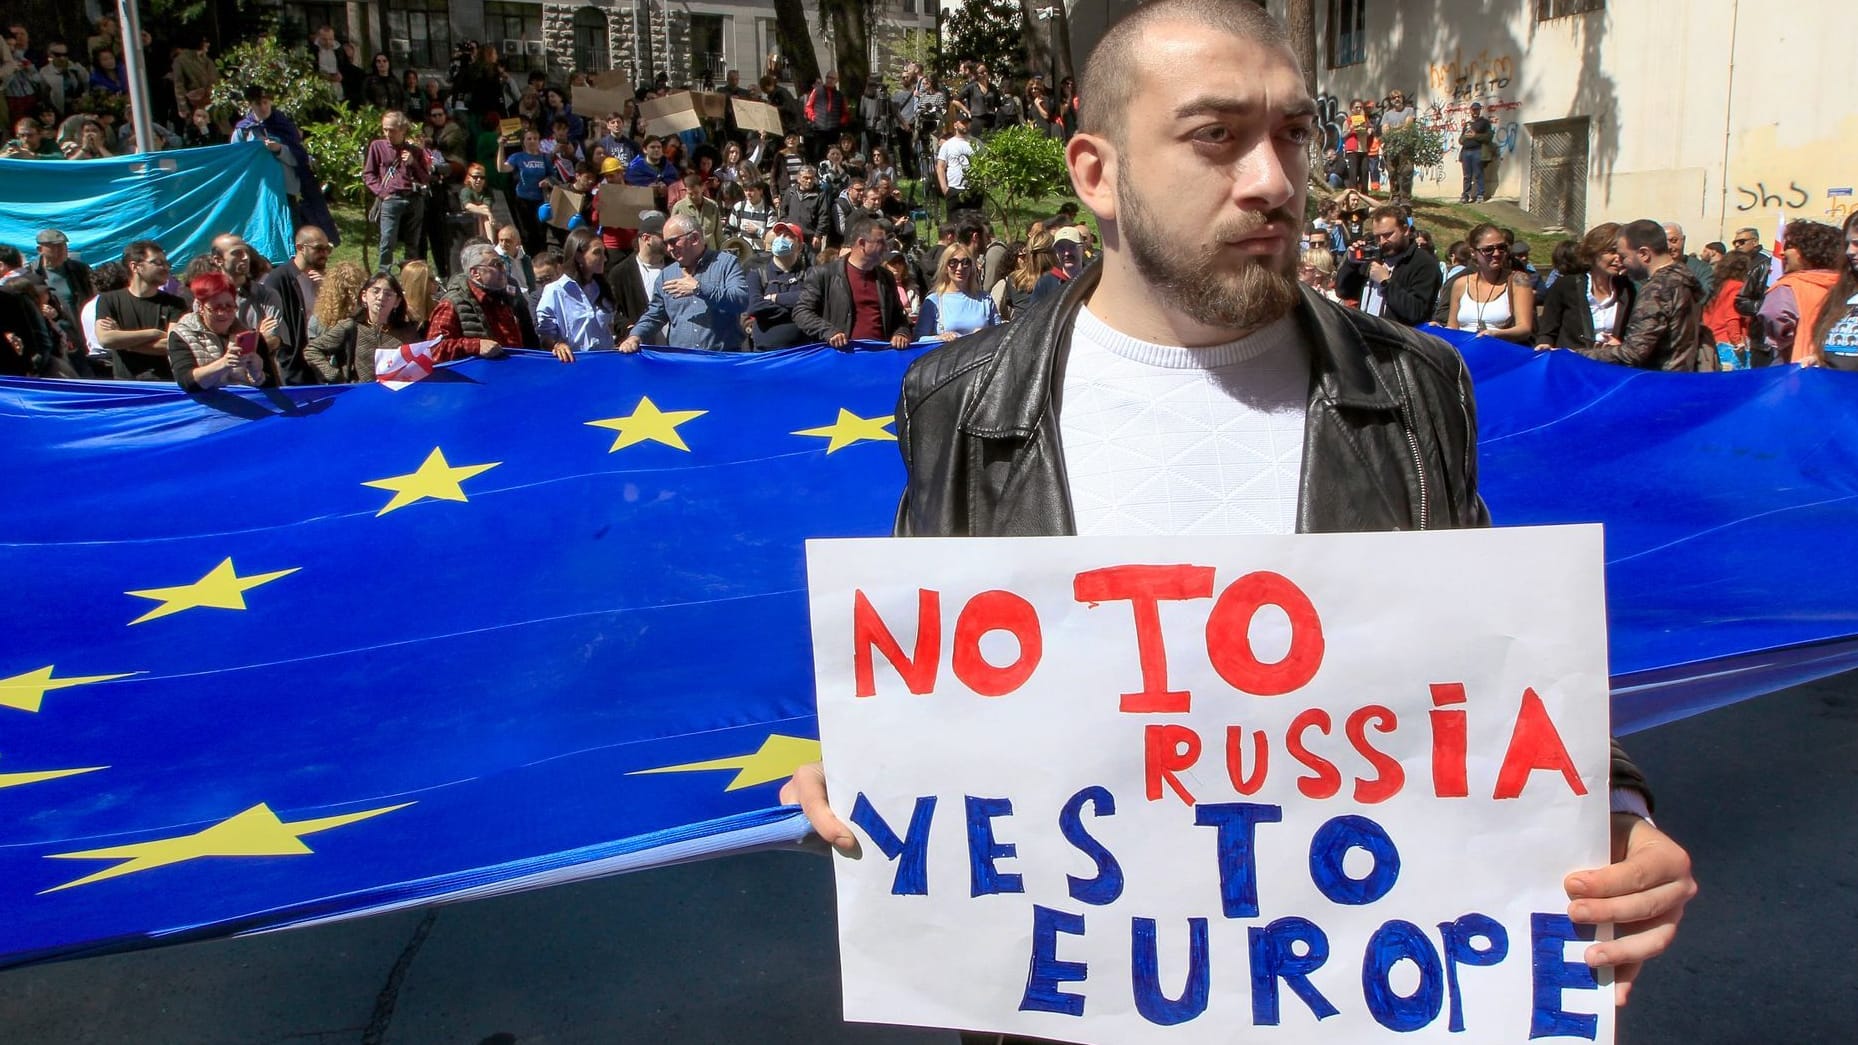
(209, 347)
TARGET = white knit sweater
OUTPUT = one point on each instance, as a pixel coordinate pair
(1160, 439)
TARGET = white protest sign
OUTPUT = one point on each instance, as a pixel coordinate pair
(1312, 789)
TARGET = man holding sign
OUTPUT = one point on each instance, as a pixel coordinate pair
(1186, 386)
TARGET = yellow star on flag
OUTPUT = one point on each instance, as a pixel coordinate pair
(437, 478)
(221, 589)
(647, 423)
(255, 832)
(776, 759)
(16, 779)
(850, 428)
(26, 692)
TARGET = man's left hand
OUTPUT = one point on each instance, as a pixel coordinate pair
(1642, 893)
(899, 340)
(681, 287)
(1379, 272)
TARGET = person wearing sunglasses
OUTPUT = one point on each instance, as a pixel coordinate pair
(1488, 301)
(955, 306)
(701, 295)
(1754, 290)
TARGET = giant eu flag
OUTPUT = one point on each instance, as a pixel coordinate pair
(278, 656)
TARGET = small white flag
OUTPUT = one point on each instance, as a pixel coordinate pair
(399, 367)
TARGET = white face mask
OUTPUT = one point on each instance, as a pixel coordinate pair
(783, 245)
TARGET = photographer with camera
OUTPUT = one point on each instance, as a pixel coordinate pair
(1389, 274)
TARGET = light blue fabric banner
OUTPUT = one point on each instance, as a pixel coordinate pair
(179, 199)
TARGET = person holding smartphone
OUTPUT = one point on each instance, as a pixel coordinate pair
(208, 347)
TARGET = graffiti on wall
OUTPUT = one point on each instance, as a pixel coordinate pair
(1447, 119)
(1462, 79)
(1761, 197)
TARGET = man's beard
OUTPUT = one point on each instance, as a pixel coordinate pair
(1262, 290)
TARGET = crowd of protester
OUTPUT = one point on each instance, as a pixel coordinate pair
(754, 241)
(1628, 294)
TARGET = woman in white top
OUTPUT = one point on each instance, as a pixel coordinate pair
(954, 306)
(1489, 301)
(575, 312)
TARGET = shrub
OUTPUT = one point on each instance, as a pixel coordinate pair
(1017, 167)
(290, 76)
(336, 146)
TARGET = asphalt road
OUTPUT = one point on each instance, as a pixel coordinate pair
(741, 949)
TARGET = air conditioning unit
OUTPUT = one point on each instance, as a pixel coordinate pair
(512, 48)
(400, 45)
(533, 48)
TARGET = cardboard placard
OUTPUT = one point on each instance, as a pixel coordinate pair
(1314, 788)
(510, 127)
(751, 115)
(564, 204)
(712, 105)
(671, 114)
(596, 103)
(620, 205)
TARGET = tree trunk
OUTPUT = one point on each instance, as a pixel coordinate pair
(796, 41)
(1047, 41)
(1300, 19)
(850, 45)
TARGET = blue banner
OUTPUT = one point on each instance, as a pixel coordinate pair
(180, 199)
(286, 655)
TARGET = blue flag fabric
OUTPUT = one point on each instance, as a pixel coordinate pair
(280, 656)
(180, 199)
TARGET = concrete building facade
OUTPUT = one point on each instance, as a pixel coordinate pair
(1714, 113)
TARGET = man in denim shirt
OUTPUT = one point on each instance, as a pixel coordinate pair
(701, 295)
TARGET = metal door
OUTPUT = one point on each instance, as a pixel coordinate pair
(1558, 173)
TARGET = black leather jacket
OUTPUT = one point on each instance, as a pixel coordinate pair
(1390, 437)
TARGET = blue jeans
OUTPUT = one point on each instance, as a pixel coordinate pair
(400, 221)
(1473, 174)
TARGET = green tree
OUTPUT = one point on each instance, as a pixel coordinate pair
(1418, 147)
(985, 31)
(288, 75)
(1016, 168)
(336, 146)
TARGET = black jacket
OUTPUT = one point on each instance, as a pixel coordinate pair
(628, 285)
(825, 305)
(1411, 291)
(774, 325)
(1390, 440)
(812, 211)
(293, 333)
(1567, 322)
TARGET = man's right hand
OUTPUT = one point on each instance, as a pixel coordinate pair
(488, 349)
(838, 340)
(807, 789)
(631, 344)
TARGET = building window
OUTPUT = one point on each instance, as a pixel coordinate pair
(299, 21)
(707, 59)
(1348, 37)
(1547, 9)
(590, 41)
(420, 32)
(516, 29)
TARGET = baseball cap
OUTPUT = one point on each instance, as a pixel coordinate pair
(1477, 106)
(52, 236)
(652, 222)
(1067, 234)
(611, 165)
(792, 229)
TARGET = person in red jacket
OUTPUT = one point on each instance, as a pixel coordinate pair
(825, 114)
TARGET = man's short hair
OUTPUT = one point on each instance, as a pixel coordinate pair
(864, 228)
(1645, 233)
(139, 250)
(1109, 74)
(395, 118)
(306, 235)
(474, 254)
(1390, 212)
(1717, 245)
(1752, 231)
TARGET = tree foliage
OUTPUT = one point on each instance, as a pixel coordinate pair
(336, 146)
(288, 75)
(1419, 146)
(1016, 168)
(985, 31)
